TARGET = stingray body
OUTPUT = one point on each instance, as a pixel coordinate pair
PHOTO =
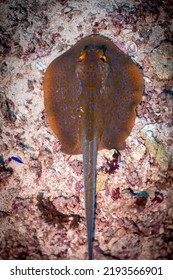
(91, 92)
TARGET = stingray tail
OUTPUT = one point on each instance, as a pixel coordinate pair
(89, 161)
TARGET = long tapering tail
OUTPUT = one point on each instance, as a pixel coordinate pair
(89, 162)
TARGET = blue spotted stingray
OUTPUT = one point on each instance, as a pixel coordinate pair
(90, 93)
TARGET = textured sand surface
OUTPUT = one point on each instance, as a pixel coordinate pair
(33, 195)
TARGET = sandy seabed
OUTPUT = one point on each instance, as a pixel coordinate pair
(40, 196)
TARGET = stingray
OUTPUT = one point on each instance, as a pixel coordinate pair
(90, 94)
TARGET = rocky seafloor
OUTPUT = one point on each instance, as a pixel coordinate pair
(41, 189)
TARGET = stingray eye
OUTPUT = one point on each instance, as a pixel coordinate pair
(83, 56)
(102, 56)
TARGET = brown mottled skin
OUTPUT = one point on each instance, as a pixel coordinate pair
(91, 92)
